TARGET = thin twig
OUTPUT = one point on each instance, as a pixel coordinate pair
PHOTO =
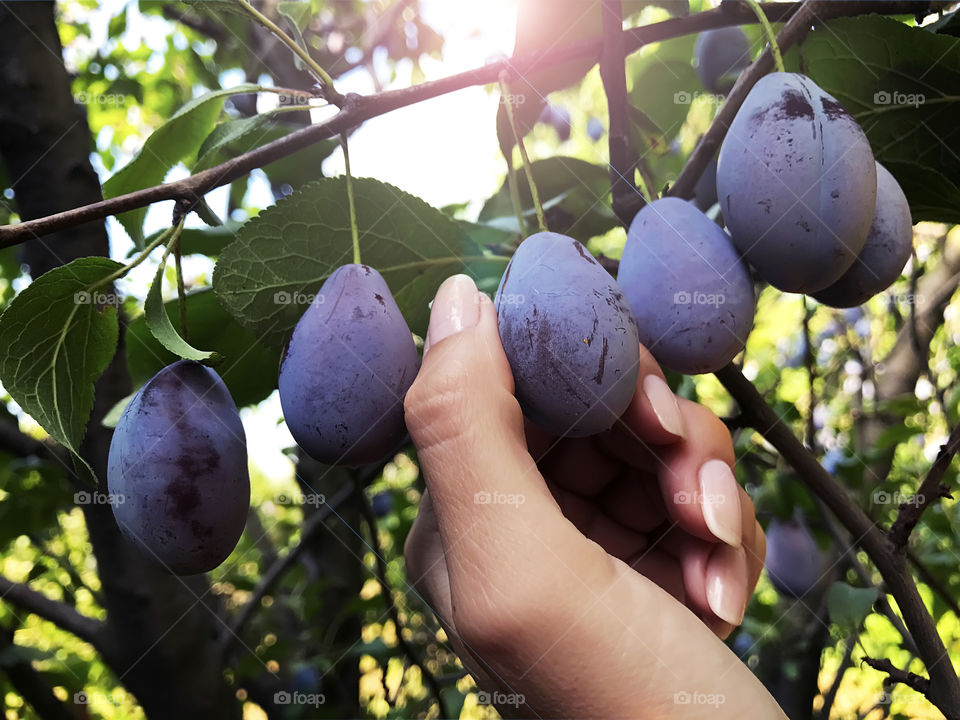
(931, 490)
(896, 675)
(60, 614)
(381, 569)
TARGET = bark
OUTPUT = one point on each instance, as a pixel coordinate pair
(160, 636)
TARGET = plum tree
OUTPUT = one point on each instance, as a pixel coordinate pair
(887, 249)
(177, 469)
(719, 56)
(346, 369)
(794, 563)
(690, 293)
(797, 183)
(569, 336)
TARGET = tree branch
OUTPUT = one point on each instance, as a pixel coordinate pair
(896, 675)
(357, 109)
(394, 614)
(31, 685)
(62, 615)
(931, 489)
(270, 578)
(945, 686)
(627, 200)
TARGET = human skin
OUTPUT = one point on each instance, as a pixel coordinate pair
(585, 577)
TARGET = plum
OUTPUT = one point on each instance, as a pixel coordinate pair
(346, 369)
(559, 118)
(569, 336)
(719, 56)
(595, 129)
(794, 563)
(178, 469)
(888, 247)
(382, 504)
(689, 291)
(797, 183)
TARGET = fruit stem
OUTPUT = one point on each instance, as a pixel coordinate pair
(318, 72)
(354, 231)
(161, 240)
(507, 101)
(515, 195)
(181, 290)
(768, 31)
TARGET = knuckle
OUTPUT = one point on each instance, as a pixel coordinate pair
(436, 399)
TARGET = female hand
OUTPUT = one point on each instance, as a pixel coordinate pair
(586, 577)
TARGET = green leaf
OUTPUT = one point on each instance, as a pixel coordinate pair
(282, 257)
(224, 135)
(59, 335)
(664, 90)
(177, 139)
(573, 192)
(248, 369)
(849, 606)
(902, 84)
(299, 13)
(162, 328)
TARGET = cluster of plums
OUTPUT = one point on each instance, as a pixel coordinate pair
(803, 200)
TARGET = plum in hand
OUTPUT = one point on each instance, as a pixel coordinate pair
(886, 251)
(569, 336)
(348, 365)
(690, 292)
(797, 184)
(178, 469)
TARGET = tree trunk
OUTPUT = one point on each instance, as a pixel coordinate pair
(161, 634)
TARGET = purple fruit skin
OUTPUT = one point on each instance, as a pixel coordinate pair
(347, 367)
(719, 53)
(674, 251)
(797, 185)
(794, 562)
(705, 191)
(178, 465)
(595, 129)
(569, 336)
(886, 251)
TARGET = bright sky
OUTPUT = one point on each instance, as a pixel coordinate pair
(443, 150)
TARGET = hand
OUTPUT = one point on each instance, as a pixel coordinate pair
(579, 577)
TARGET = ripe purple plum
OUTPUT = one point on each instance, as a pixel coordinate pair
(569, 336)
(794, 563)
(348, 365)
(178, 469)
(719, 56)
(888, 247)
(705, 191)
(689, 291)
(595, 129)
(797, 184)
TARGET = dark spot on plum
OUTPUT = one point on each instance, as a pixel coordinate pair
(583, 253)
(598, 378)
(379, 298)
(184, 494)
(834, 194)
(794, 105)
(366, 269)
(833, 109)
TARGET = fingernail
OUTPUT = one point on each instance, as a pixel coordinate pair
(664, 403)
(455, 308)
(720, 500)
(727, 583)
